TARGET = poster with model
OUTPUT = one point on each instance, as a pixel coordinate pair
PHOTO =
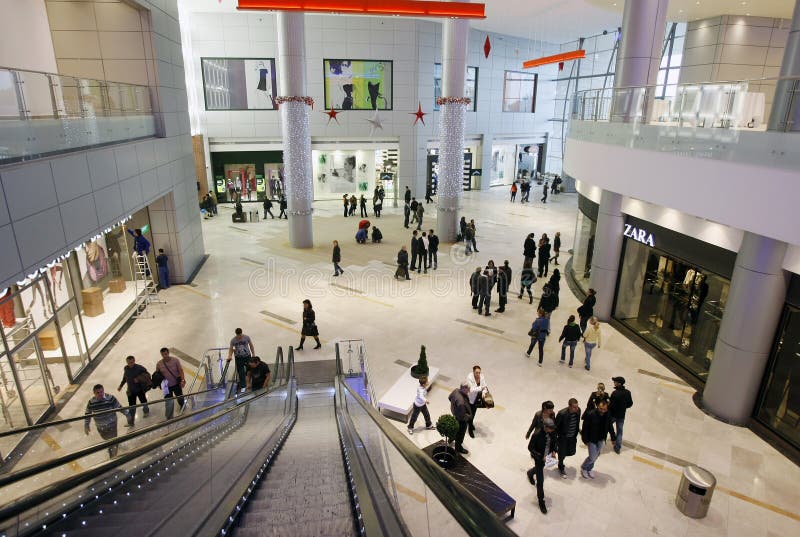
(239, 83)
(358, 84)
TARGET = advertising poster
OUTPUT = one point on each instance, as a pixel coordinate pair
(239, 83)
(358, 84)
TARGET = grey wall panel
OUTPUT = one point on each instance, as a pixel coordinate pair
(40, 238)
(164, 178)
(109, 205)
(79, 218)
(10, 265)
(127, 161)
(149, 181)
(29, 189)
(146, 154)
(102, 168)
(71, 177)
(4, 216)
(131, 193)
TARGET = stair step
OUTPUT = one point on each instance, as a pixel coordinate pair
(333, 527)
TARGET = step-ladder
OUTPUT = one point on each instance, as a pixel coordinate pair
(146, 290)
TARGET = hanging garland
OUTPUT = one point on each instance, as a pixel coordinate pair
(294, 99)
(453, 100)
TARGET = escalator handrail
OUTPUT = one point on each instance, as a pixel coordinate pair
(32, 500)
(474, 517)
(75, 455)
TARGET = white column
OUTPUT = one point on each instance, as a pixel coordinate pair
(607, 250)
(785, 113)
(455, 33)
(752, 311)
(295, 129)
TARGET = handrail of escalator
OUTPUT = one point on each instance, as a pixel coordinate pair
(468, 511)
(20, 506)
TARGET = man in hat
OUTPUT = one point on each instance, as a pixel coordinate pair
(459, 407)
(541, 444)
(621, 401)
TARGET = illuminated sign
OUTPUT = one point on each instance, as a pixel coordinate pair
(639, 235)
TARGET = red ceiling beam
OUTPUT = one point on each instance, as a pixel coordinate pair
(403, 8)
(556, 58)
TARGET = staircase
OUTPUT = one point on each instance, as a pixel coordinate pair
(305, 493)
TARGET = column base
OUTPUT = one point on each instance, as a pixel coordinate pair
(301, 233)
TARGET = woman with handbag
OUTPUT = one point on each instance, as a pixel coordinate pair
(309, 325)
(478, 395)
(538, 333)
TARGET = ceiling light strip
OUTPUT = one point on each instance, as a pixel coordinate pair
(412, 8)
(556, 58)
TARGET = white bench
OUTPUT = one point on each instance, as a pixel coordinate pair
(396, 403)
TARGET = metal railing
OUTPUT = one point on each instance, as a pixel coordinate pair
(50, 113)
(357, 364)
(737, 104)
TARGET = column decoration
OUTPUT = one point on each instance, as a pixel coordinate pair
(297, 154)
(451, 152)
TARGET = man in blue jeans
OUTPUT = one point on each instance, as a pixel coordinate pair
(163, 269)
(596, 428)
(621, 401)
(570, 337)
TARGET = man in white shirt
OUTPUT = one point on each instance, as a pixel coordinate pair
(421, 405)
(477, 388)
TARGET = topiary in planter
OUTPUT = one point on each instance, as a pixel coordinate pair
(421, 369)
(447, 426)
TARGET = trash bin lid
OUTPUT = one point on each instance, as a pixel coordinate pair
(699, 476)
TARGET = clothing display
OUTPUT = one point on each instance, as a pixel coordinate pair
(262, 79)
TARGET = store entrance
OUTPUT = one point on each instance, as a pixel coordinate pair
(673, 304)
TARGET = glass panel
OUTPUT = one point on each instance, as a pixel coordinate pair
(34, 383)
(37, 94)
(72, 336)
(9, 106)
(12, 410)
(780, 403)
(70, 95)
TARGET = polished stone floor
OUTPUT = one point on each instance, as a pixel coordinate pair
(253, 280)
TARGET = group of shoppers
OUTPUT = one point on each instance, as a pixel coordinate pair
(424, 254)
(282, 205)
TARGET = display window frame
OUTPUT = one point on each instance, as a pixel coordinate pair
(388, 103)
(272, 107)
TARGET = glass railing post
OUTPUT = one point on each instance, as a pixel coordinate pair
(24, 113)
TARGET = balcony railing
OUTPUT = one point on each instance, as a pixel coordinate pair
(45, 113)
(726, 105)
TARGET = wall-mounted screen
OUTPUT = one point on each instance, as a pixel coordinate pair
(358, 84)
(470, 85)
(239, 83)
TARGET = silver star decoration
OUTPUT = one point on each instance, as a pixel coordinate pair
(375, 123)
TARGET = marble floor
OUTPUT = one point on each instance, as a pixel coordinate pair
(253, 280)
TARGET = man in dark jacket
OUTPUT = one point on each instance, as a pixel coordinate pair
(337, 258)
(503, 279)
(484, 292)
(596, 427)
(473, 287)
(268, 208)
(621, 401)
(570, 337)
(283, 206)
(529, 250)
(544, 257)
(469, 238)
(414, 250)
(407, 195)
(132, 376)
(402, 264)
(459, 407)
(406, 214)
(433, 250)
(541, 444)
(548, 300)
(586, 310)
(568, 421)
(413, 206)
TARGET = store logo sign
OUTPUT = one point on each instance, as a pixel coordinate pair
(639, 235)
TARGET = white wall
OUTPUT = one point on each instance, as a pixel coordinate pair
(413, 45)
(25, 41)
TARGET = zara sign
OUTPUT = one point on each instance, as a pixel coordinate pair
(639, 235)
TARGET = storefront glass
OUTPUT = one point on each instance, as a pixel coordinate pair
(504, 162)
(354, 172)
(674, 305)
(247, 175)
(582, 250)
(779, 406)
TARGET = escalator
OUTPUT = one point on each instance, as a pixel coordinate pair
(307, 457)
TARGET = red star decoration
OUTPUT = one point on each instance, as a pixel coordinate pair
(487, 47)
(419, 113)
(332, 116)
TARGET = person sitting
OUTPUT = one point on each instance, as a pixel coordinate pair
(377, 236)
(361, 236)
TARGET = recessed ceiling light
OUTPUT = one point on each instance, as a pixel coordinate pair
(744, 3)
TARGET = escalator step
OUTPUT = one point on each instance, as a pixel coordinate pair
(332, 527)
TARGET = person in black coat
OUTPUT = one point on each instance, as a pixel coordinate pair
(433, 250)
(309, 325)
(529, 249)
(406, 214)
(377, 236)
(542, 443)
(283, 206)
(544, 191)
(621, 401)
(337, 257)
(556, 247)
(462, 226)
(407, 195)
(526, 279)
(131, 375)
(570, 336)
(544, 256)
(268, 208)
(503, 283)
(422, 251)
(485, 284)
(402, 264)
(555, 283)
(414, 250)
(548, 300)
(597, 397)
(596, 428)
(346, 202)
(586, 310)
(363, 206)
(473, 287)
(568, 425)
(459, 407)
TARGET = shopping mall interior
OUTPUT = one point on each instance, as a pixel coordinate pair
(174, 170)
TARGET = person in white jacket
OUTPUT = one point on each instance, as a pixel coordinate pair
(477, 389)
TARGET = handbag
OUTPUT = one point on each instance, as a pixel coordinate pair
(488, 399)
(534, 333)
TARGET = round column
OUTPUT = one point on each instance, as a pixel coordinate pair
(607, 250)
(295, 129)
(752, 312)
(451, 129)
(785, 113)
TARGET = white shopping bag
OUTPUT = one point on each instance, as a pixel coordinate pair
(551, 461)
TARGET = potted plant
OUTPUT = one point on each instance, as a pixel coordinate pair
(445, 455)
(421, 369)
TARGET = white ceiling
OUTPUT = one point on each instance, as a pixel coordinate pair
(559, 21)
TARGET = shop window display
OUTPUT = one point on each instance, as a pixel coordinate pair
(672, 304)
(350, 172)
(779, 406)
(583, 248)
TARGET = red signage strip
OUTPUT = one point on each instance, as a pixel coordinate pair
(556, 58)
(403, 8)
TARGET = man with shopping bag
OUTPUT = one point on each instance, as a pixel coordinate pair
(542, 444)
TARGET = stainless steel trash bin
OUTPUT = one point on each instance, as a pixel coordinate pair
(695, 491)
(254, 216)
